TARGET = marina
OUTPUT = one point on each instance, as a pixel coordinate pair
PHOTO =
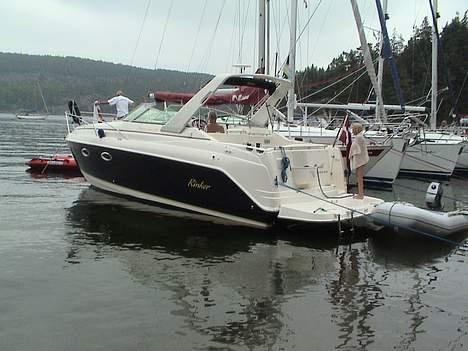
(277, 175)
(104, 270)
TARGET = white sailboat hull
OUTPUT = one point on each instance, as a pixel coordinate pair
(462, 163)
(32, 116)
(431, 159)
(387, 169)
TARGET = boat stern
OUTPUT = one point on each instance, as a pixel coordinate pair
(312, 208)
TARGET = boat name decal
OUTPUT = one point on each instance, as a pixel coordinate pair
(193, 183)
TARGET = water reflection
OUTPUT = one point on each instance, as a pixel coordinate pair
(105, 218)
(228, 283)
(412, 265)
(50, 175)
(396, 251)
(235, 286)
(126, 222)
(415, 312)
(141, 275)
(354, 294)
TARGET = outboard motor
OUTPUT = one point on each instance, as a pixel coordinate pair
(434, 196)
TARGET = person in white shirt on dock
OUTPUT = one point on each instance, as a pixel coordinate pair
(358, 156)
(121, 103)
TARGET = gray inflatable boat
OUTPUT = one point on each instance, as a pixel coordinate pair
(405, 216)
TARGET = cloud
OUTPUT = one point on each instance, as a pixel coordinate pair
(109, 30)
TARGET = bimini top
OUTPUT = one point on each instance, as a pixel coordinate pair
(260, 91)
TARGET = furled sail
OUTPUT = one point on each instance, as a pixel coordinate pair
(387, 54)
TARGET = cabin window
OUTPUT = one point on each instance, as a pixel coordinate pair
(149, 113)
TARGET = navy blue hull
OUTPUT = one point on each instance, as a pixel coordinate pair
(185, 183)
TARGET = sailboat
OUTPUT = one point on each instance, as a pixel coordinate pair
(433, 154)
(35, 115)
(429, 154)
(425, 154)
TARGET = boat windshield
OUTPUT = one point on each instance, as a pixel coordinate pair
(232, 105)
(149, 113)
(228, 100)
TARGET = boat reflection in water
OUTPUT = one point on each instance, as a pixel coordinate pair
(239, 286)
(418, 273)
(402, 250)
(228, 282)
(36, 174)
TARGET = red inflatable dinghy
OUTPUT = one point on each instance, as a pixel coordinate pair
(54, 163)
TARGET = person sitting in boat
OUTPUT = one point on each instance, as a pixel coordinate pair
(358, 156)
(121, 103)
(213, 126)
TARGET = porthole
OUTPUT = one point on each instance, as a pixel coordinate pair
(106, 156)
(85, 152)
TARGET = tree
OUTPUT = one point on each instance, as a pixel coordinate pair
(413, 60)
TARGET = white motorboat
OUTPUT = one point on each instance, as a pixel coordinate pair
(249, 174)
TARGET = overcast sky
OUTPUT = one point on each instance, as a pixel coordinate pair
(196, 35)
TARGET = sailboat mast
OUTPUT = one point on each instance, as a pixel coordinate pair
(381, 64)
(434, 69)
(368, 59)
(267, 53)
(42, 96)
(261, 35)
(292, 60)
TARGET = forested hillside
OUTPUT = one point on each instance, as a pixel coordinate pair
(413, 59)
(65, 78)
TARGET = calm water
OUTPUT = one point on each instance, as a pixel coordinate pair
(83, 270)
